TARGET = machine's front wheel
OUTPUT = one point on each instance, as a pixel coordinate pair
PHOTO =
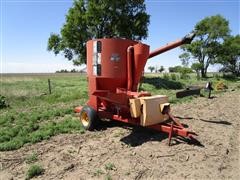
(88, 118)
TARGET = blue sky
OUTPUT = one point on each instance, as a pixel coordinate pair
(27, 24)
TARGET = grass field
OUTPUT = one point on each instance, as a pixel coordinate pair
(34, 115)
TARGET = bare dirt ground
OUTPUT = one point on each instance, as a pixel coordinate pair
(125, 152)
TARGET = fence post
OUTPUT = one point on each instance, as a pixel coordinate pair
(49, 86)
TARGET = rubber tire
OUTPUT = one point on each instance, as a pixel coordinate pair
(92, 117)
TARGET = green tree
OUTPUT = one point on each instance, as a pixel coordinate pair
(156, 69)
(184, 71)
(161, 69)
(210, 33)
(175, 69)
(98, 19)
(230, 56)
(185, 57)
(73, 71)
(151, 68)
(197, 67)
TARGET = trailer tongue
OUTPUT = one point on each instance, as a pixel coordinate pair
(114, 70)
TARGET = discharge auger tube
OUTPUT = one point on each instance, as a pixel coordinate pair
(185, 40)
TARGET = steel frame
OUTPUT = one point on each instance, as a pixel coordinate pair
(173, 128)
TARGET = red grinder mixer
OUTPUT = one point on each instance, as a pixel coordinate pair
(114, 70)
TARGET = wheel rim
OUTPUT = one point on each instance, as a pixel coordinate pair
(84, 118)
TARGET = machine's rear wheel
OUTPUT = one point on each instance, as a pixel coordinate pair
(88, 118)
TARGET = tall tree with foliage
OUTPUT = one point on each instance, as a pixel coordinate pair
(161, 69)
(98, 19)
(197, 67)
(210, 33)
(230, 56)
(185, 57)
(151, 68)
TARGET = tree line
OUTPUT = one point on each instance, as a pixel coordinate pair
(70, 71)
(212, 45)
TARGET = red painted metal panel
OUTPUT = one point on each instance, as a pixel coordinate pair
(114, 69)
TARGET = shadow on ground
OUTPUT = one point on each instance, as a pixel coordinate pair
(140, 135)
(217, 122)
(163, 83)
(208, 121)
